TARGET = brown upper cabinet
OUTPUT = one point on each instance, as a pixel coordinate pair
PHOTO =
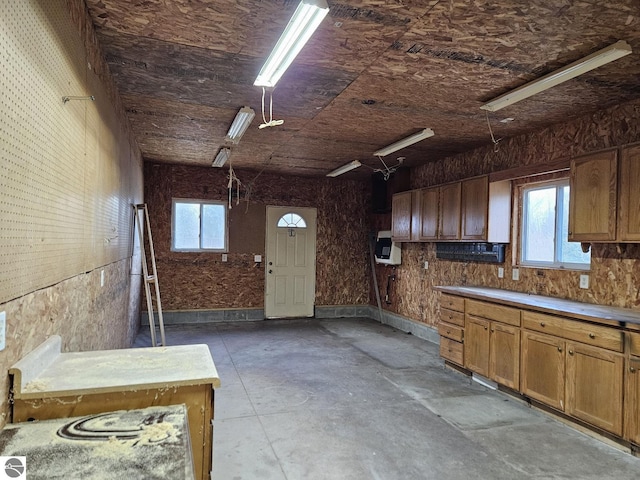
(470, 210)
(605, 200)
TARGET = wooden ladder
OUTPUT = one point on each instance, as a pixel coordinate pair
(141, 218)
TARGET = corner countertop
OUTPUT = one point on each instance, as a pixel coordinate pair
(558, 306)
(46, 372)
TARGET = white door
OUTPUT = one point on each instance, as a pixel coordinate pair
(290, 284)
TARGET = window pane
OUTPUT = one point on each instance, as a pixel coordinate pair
(292, 220)
(540, 218)
(213, 226)
(187, 226)
(569, 252)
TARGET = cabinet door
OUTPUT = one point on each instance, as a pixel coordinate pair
(593, 203)
(632, 401)
(542, 375)
(429, 211)
(629, 195)
(449, 218)
(504, 359)
(594, 386)
(416, 215)
(476, 345)
(401, 217)
(474, 208)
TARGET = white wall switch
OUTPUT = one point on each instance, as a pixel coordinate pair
(515, 274)
(500, 272)
(257, 258)
(584, 281)
(3, 329)
(102, 278)
(426, 265)
(224, 257)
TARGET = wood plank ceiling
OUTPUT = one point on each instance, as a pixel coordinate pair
(375, 71)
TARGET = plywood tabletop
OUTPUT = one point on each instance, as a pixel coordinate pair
(558, 306)
(80, 373)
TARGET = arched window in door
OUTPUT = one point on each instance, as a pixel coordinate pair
(292, 220)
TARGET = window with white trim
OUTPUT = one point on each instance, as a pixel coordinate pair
(198, 226)
(545, 227)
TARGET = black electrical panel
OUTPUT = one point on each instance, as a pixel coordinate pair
(471, 252)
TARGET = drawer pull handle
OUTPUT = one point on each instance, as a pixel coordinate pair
(570, 352)
(542, 324)
(592, 336)
(448, 331)
(632, 369)
(450, 317)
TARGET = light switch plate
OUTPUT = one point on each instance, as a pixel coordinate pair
(257, 258)
(584, 281)
(500, 272)
(3, 329)
(224, 257)
(426, 265)
(515, 274)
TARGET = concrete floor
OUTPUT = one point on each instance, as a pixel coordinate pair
(352, 399)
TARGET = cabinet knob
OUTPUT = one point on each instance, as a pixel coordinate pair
(542, 324)
(486, 328)
(592, 336)
(632, 369)
(448, 331)
(560, 349)
(492, 330)
(570, 352)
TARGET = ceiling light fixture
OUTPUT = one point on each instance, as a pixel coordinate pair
(222, 157)
(303, 23)
(405, 142)
(586, 64)
(240, 124)
(344, 168)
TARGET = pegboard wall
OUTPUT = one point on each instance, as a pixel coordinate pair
(68, 174)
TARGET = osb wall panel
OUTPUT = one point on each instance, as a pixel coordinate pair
(69, 173)
(615, 269)
(203, 281)
(79, 310)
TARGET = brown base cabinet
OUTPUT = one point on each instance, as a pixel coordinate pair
(543, 368)
(632, 401)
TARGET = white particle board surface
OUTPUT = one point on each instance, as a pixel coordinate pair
(150, 443)
(43, 375)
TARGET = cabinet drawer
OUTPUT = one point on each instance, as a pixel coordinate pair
(584, 332)
(451, 350)
(634, 343)
(492, 311)
(451, 331)
(453, 317)
(452, 303)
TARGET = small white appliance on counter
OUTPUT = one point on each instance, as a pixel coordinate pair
(387, 251)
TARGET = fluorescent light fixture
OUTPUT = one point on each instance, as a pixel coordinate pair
(240, 124)
(405, 142)
(344, 168)
(222, 157)
(303, 23)
(584, 65)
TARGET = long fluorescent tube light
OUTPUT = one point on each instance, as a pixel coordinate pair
(586, 64)
(240, 124)
(303, 23)
(222, 157)
(405, 142)
(344, 168)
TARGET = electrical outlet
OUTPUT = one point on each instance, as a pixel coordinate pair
(102, 278)
(224, 257)
(426, 265)
(584, 281)
(515, 274)
(500, 272)
(3, 329)
(257, 258)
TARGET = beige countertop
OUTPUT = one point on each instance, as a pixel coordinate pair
(559, 306)
(46, 372)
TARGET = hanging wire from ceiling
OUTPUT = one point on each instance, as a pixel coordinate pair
(493, 139)
(233, 178)
(387, 170)
(271, 122)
